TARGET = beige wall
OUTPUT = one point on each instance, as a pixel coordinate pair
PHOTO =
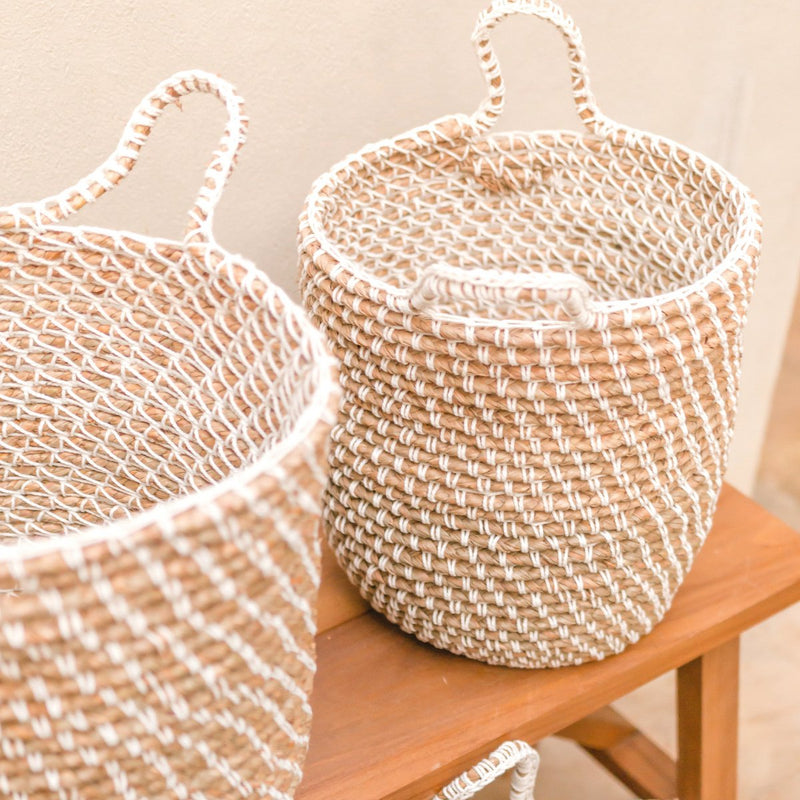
(322, 77)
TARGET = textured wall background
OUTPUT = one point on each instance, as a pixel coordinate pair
(322, 78)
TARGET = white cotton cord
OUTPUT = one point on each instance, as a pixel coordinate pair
(517, 756)
(58, 207)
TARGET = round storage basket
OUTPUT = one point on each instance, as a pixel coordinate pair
(164, 415)
(540, 338)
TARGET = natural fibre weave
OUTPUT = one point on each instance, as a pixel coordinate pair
(515, 756)
(540, 338)
(164, 416)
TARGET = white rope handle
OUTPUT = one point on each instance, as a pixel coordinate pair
(58, 207)
(498, 294)
(516, 755)
(492, 106)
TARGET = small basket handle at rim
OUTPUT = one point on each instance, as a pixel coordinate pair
(58, 207)
(492, 107)
(488, 293)
(516, 755)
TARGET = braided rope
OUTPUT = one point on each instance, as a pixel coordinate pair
(164, 413)
(492, 107)
(58, 207)
(516, 755)
(540, 337)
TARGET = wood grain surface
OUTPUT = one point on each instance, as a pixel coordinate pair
(708, 724)
(397, 719)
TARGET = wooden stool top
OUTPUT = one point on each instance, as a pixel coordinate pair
(394, 718)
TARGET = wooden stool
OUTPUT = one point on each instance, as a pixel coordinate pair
(396, 719)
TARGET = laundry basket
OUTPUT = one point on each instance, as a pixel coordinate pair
(164, 411)
(540, 338)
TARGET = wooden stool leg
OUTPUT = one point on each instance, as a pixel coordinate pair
(625, 752)
(708, 725)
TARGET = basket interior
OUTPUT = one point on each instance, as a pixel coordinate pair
(632, 222)
(127, 379)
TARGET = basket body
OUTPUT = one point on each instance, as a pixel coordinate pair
(540, 339)
(164, 415)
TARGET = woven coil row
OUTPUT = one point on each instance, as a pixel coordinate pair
(164, 413)
(515, 756)
(540, 339)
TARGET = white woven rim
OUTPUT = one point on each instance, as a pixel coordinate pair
(41, 216)
(599, 126)
(323, 371)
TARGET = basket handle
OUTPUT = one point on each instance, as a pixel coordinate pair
(492, 107)
(556, 297)
(58, 207)
(516, 755)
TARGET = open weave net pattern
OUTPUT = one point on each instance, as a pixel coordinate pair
(164, 416)
(541, 341)
(131, 378)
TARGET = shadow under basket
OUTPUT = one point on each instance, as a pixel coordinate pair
(540, 339)
(164, 416)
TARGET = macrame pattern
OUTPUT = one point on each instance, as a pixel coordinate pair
(540, 338)
(164, 417)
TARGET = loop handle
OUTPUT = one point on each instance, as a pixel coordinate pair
(58, 207)
(492, 107)
(496, 294)
(516, 755)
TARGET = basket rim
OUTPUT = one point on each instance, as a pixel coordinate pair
(324, 370)
(351, 274)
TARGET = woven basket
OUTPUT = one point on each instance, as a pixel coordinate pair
(164, 411)
(515, 756)
(540, 336)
